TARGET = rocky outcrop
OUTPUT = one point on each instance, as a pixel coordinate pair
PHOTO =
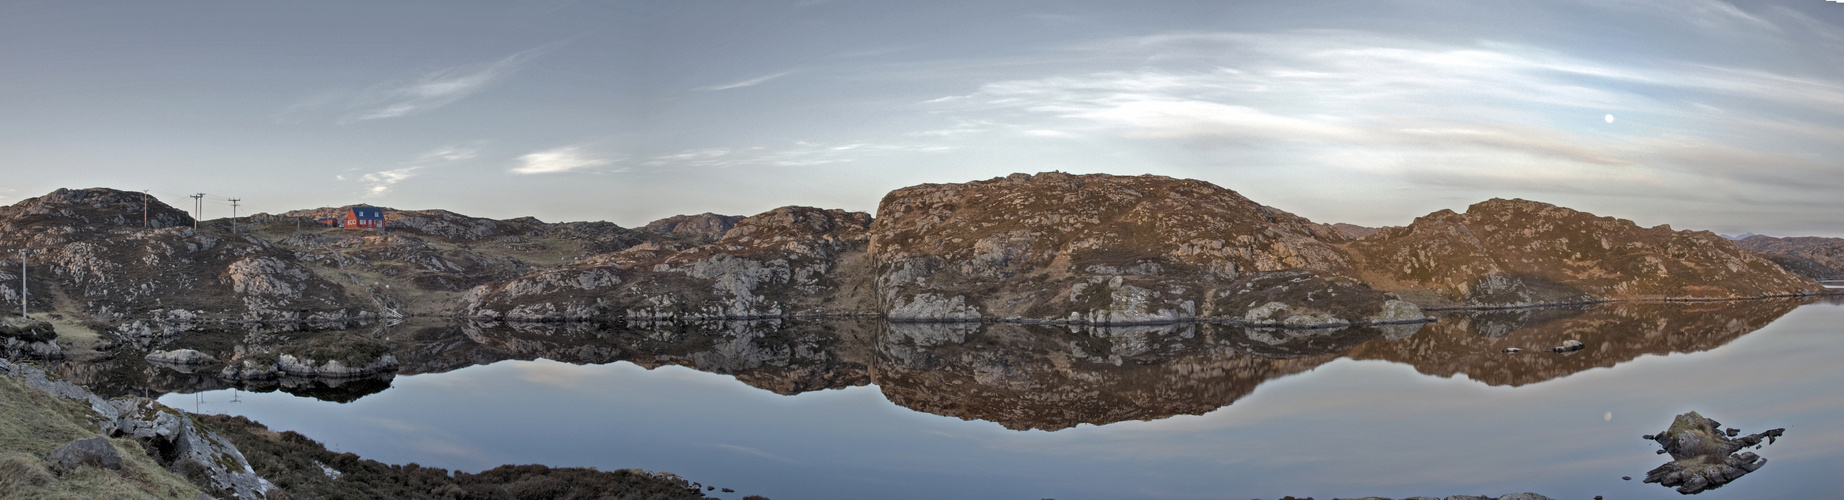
(180, 444)
(179, 357)
(1812, 257)
(1704, 455)
(28, 338)
(703, 227)
(334, 368)
(96, 251)
(791, 261)
(1102, 249)
(1517, 253)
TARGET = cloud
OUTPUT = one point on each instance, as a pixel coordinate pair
(564, 159)
(421, 94)
(1467, 115)
(799, 154)
(448, 153)
(745, 83)
(438, 88)
(381, 182)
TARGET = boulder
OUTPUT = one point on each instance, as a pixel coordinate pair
(1570, 345)
(94, 452)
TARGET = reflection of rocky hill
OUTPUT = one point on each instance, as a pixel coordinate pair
(1471, 342)
(782, 357)
(1037, 377)
(1020, 376)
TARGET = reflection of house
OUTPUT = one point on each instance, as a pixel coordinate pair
(364, 217)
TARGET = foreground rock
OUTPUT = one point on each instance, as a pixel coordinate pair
(179, 444)
(29, 338)
(94, 452)
(1704, 456)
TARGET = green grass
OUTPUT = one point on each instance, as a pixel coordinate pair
(33, 423)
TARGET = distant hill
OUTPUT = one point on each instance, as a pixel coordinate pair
(1354, 231)
(1809, 256)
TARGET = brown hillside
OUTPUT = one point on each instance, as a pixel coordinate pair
(1508, 253)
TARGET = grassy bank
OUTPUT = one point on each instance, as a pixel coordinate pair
(34, 422)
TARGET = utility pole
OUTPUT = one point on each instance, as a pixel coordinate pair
(234, 214)
(198, 209)
(144, 209)
(22, 277)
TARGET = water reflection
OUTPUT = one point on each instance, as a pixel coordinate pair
(1019, 376)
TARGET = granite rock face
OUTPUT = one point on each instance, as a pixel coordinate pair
(1100, 249)
(1517, 253)
(1704, 456)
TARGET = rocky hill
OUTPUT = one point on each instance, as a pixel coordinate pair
(1812, 257)
(791, 261)
(97, 256)
(1102, 249)
(1513, 253)
(1045, 248)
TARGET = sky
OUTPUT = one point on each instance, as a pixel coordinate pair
(1702, 114)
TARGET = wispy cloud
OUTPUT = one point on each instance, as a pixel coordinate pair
(426, 92)
(381, 182)
(438, 88)
(799, 154)
(745, 83)
(557, 160)
(1483, 113)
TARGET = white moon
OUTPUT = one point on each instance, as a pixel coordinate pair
(1609, 416)
(1609, 118)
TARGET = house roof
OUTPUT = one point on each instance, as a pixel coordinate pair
(368, 212)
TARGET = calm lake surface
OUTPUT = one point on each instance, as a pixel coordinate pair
(869, 410)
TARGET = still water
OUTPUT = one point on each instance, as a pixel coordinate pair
(868, 410)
